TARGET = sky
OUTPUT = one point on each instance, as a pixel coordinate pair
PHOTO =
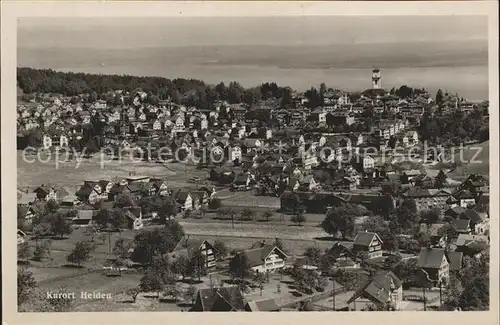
(449, 52)
(232, 31)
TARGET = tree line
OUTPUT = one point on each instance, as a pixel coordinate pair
(454, 127)
(190, 92)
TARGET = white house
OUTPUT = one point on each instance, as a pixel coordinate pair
(267, 258)
(412, 137)
(204, 124)
(242, 132)
(47, 142)
(368, 162)
(157, 125)
(322, 118)
(235, 153)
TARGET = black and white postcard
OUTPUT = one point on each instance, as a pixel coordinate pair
(250, 157)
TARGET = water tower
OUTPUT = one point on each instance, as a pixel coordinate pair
(376, 79)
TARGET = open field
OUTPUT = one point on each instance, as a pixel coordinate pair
(71, 174)
(119, 301)
(291, 247)
(278, 218)
(249, 199)
(250, 230)
(52, 274)
(476, 160)
(295, 240)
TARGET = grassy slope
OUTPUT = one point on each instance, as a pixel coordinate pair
(480, 164)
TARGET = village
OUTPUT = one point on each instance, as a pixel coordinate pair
(266, 200)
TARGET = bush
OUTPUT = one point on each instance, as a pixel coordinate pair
(39, 253)
(298, 218)
(247, 214)
(214, 204)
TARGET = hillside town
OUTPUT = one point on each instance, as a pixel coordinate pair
(220, 198)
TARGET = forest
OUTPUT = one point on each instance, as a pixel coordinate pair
(190, 92)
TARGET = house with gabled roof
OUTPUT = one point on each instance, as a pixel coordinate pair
(26, 212)
(266, 258)
(242, 182)
(479, 221)
(483, 203)
(462, 226)
(465, 198)
(21, 236)
(434, 233)
(84, 216)
(200, 199)
(187, 246)
(156, 125)
(251, 144)
(105, 186)
(473, 183)
(384, 288)
(454, 212)
(184, 199)
(46, 192)
(135, 189)
(471, 245)
(90, 192)
(368, 242)
(427, 199)
(343, 256)
(262, 305)
(147, 189)
(223, 299)
(159, 186)
(134, 218)
(438, 262)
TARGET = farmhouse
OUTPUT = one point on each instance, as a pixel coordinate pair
(471, 245)
(384, 288)
(49, 192)
(90, 192)
(343, 256)
(267, 258)
(427, 199)
(242, 182)
(184, 199)
(368, 242)
(187, 246)
(219, 299)
(437, 263)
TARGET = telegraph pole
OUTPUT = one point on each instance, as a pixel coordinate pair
(440, 293)
(333, 295)
(109, 240)
(425, 300)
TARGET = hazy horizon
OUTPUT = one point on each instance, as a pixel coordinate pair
(449, 52)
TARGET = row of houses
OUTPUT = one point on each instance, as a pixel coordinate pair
(435, 266)
(448, 201)
(105, 193)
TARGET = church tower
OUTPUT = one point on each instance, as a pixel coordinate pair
(376, 79)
